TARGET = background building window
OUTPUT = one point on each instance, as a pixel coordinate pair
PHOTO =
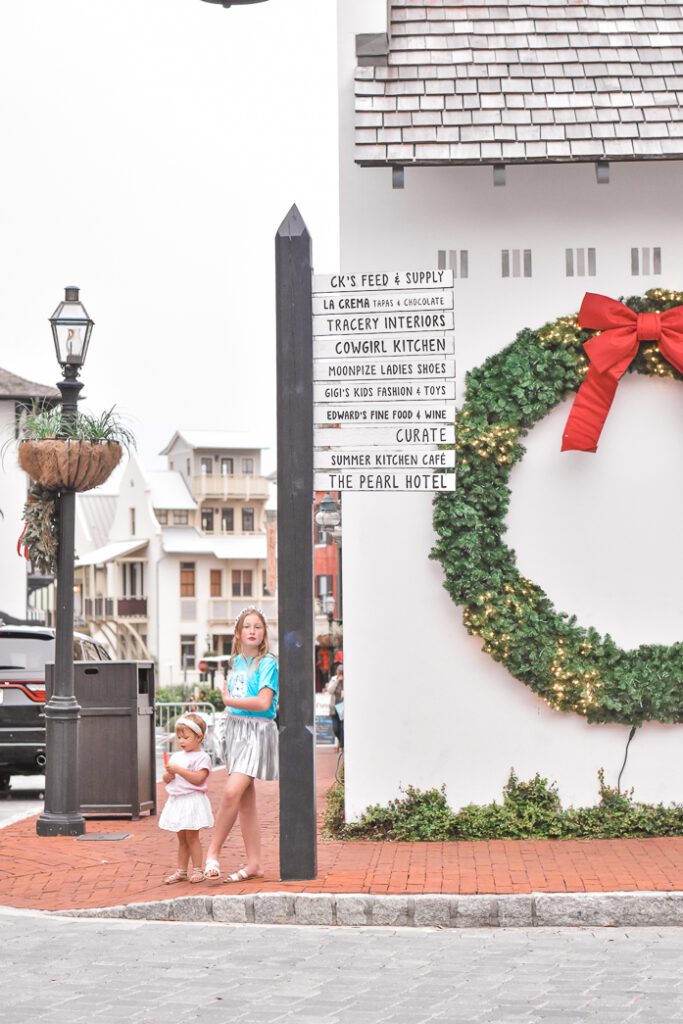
(132, 521)
(226, 467)
(187, 651)
(323, 585)
(241, 582)
(247, 520)
(222, 644)
(248, 467)
(162, 516)
(579, 262)
(216, 582)
(206, 466)
(133, 579)
(207, 520)
(646, 261)
(180, 518)
(515, 263)
(187, 579)
(457, 260)
(227, 520)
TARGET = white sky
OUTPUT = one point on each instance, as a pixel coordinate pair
(151, 148)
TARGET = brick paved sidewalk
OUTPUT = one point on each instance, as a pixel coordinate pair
(66, 873)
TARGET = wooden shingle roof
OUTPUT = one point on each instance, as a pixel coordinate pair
(563, 80)
(14, 387)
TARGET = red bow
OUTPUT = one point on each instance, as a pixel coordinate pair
(610, 354)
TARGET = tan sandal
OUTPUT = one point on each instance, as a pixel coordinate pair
(196, 876)
(178, 876)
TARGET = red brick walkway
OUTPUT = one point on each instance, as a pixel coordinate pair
(65, 873)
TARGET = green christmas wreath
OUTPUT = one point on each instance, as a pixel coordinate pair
(572, 667)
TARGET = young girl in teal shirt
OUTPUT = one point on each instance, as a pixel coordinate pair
(251, 741)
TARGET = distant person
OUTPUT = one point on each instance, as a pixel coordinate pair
(187, 809)
(251, 741)
(335, 687)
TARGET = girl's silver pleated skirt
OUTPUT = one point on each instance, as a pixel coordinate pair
(251, 746)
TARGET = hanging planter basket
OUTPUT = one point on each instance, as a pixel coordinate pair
(69, 464)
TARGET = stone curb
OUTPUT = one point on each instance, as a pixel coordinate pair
(535, 910)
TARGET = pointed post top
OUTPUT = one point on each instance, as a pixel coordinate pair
(293, 225)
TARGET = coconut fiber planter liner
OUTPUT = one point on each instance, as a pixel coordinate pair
(69, 464)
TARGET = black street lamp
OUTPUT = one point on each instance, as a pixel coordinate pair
(328, 604)
(71, 330)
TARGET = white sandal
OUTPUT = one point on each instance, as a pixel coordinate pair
(240, 876)
(212, 868)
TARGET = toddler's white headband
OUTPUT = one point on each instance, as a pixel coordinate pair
(189, 724)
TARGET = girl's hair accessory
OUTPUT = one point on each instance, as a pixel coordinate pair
(251, 608)
(189, 724)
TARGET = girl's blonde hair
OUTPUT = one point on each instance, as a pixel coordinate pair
(237, 639)
(197, 719)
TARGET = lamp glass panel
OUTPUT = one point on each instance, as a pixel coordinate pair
(71, 340)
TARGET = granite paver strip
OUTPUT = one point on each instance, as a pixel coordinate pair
(66, 971)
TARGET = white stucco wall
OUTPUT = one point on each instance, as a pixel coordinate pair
(423, 705)
(12, 498)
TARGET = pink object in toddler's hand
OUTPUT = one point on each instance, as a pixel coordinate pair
(165, 757)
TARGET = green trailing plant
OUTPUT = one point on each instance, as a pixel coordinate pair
(40, 536)
(569, 665)
(529, 810)
(41, 424)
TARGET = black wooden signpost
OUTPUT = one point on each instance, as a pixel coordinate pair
(298, 839)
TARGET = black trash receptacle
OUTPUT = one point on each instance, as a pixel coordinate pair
(116, 740)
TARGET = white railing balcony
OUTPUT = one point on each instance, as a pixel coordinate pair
(208, 485)
(115, 607)
(226, 609)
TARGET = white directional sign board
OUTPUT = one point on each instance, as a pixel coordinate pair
(346, 346)
(389, 480)
(381, 458)
(343, 436)
(406, 391)
(384, 372)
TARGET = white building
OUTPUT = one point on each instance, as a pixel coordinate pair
(186, 549)
(536, 151)
(17, 396)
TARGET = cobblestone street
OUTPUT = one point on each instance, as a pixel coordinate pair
(154, 973)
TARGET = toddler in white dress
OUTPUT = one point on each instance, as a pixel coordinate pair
(187, 809)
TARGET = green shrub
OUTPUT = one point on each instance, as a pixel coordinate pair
(530, 810)
(333, 817)
(172, 694)
(179, 694)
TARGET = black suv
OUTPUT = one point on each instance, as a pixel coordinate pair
(24, 653)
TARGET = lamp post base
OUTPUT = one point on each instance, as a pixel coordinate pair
(60, 825)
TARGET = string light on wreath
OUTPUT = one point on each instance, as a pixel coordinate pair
(571, 667)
